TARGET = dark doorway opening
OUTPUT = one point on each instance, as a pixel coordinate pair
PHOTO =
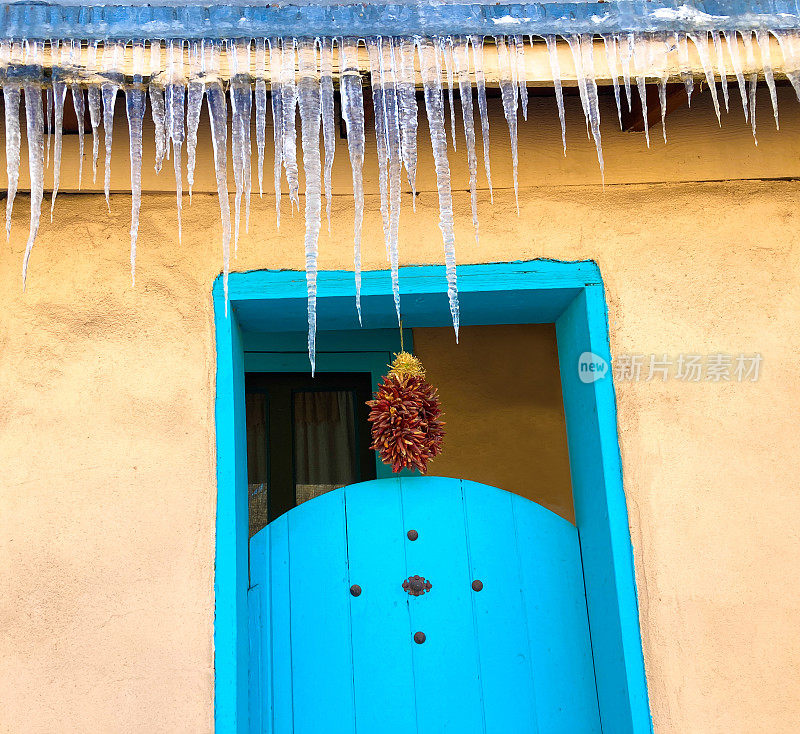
(305, 436)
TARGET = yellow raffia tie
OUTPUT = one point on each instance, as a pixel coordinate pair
(406, 365)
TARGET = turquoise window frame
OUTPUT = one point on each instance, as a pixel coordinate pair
(568, 294)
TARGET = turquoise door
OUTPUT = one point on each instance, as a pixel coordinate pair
(498, 644)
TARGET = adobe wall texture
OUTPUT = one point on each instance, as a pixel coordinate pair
(107, 421)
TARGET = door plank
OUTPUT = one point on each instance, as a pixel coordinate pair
(256, 698)
(566, 696)
(322, 663)
(383, 676)
(260, 632)
(499, 609)
(446, 664)
(281, 627)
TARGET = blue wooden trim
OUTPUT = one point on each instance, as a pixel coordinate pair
(569, 294)
(601, 516)
(362, 340)
(231, 651)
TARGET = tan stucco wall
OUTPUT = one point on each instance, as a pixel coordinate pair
(501, 391)
(107, 451)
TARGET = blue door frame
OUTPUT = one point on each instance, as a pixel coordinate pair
(569, 294)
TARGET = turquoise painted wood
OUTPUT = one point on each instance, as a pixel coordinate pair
(512, 657)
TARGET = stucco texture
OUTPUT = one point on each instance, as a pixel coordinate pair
(107, 495)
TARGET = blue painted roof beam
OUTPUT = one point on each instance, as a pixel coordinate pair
(246, 19)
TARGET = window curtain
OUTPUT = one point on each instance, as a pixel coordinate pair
(324, 442)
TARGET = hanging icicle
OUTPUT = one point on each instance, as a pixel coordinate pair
(59, 94)
(508, 93)
(461, 59)
(177, 75)
(241, 110)
(434, 105)
(158, 107)
(480, 83)
(78, 106)
(135, 101)
(328, 132)
(175, 101)
(194, 103)
(353, 114)
(11, 97)
(261, 110)
(34, 116)
(218, 118)
(113, 56)
(310, 116)
(407, 104)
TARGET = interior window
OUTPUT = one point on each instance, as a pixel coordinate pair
(305, 437)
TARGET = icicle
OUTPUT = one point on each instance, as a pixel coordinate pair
(444, 48)
(59, 94)
(627, 52)
(722, 70)
(158, 108)
(241, 103)
(218, 117)
(641, 66)
(662, 83)
(34, 115)
(95, 108)
(276, 94)
(700, 40)
(522, 77)
(289, 127)
(353, 114)
(49, 120)
(788, 41)
(310, 112)
(175, 101)
(78, 106)
(736, 61)
(685, 67)
(135, 102)
(512, 68)
(113, 54)
(261, 110)
(328, 123)
(508, 93)
(752, 80)
(461, 58)
(610, 43)
(581, 47)
(395, 161)
(555, 68)
(11, 98)
(407, 105)
(379, 109)
(247, 145)
(387, 133)
(762, 39)
(194, 104)
(480, 83)
(434, 104)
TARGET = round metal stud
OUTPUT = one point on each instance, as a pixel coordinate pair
(419, 637)
(477, 585)
(355, 590)
(412, 534)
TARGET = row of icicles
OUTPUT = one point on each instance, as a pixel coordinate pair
(299, 73)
